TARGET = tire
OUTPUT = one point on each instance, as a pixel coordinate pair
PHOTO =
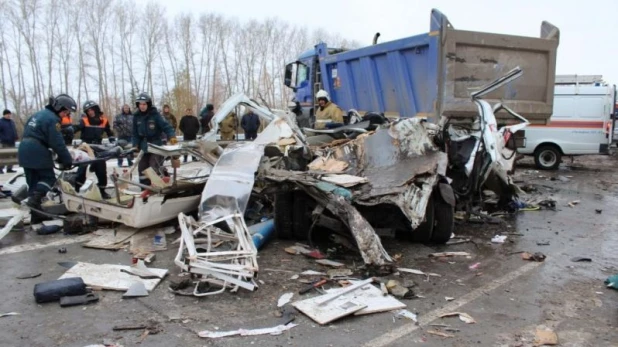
(444, 220)
(284, 226)
(423, 233)
(301, 215)
(547, 157)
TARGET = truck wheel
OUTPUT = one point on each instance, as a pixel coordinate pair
(284, 226)
(444, 219)
(547, 157)
(301, 215)
(424, 232)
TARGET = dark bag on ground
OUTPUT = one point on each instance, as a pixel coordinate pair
(54, 290)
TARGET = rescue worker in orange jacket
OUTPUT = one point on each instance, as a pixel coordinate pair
(66, 129)
(92, 127)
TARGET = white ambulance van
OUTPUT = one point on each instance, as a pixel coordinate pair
(582, 122)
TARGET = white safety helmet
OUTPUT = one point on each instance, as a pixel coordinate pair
(322, 94)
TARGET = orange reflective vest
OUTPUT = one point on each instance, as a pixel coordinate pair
(65, 121)
(102, 125)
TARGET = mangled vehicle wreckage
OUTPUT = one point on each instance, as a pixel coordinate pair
(393, 176)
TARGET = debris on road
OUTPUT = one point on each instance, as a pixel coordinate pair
(28, 275)
(136, 290)
(74, 300)
(439, 333)
(8, 314)
(111, 239)
(407, 314)
(464, 317)
(62, 250)
(397, 290)
(538, 256)
(53, 290)
(110, 276)
(498, 239)
(450, 254)
(448, 298)
(311, 286)
(330, 263)
(573, 203)
(542, 243)
(598, 211)
(359, 298)
(333, 273)
(612, 282)
(581, 259)
(474, 266)
(284, 299)
(418, 272)
(17, 217)
(278, 330)
(544, 337)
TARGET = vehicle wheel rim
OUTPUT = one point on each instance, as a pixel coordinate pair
(548, 158)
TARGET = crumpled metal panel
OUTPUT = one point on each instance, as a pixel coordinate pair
(229, 186)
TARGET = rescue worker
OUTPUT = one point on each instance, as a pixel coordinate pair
(42, 133)
(148, 126)
(92, 126)
(206, 116)
(123, 126)
(327, 112)
(250, 123)
(67, 130)
(228, 127)
(189, 125)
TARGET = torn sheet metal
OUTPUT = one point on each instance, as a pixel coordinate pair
(231, 181)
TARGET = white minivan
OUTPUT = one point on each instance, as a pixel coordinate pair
(582, 122)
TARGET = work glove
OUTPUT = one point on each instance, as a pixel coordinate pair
(64, 167)
(173, 141)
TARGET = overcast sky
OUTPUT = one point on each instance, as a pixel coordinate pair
(588, 29)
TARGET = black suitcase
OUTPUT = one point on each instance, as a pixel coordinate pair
(54, 290)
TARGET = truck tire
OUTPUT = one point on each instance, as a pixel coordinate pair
(444, 220)
(284, 226)
(547, 157)
(301, 215)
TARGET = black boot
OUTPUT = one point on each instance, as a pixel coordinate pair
(104, 194)
(34, 202)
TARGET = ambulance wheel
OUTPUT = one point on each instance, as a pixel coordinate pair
(547, 157)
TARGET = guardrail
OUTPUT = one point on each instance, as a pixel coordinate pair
(8, 156)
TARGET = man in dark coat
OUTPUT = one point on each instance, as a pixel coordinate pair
(8, 135)
(189, 126)
(148, 126)
(92, 127)
(42, 133)
(250, 123)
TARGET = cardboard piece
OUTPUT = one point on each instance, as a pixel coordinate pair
(112, 239)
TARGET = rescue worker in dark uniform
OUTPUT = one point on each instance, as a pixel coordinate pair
(92, 127)
(148, 126)
(42, 133)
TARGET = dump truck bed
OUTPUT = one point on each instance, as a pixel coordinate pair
(433, 74)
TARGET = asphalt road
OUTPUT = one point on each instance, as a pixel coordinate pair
(509, 298)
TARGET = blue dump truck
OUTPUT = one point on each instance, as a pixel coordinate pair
(432, 123)
(432, 74)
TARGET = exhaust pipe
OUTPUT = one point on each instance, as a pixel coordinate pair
(375, 38)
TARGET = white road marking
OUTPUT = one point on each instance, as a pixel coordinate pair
(425, 319)
(37, 245)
